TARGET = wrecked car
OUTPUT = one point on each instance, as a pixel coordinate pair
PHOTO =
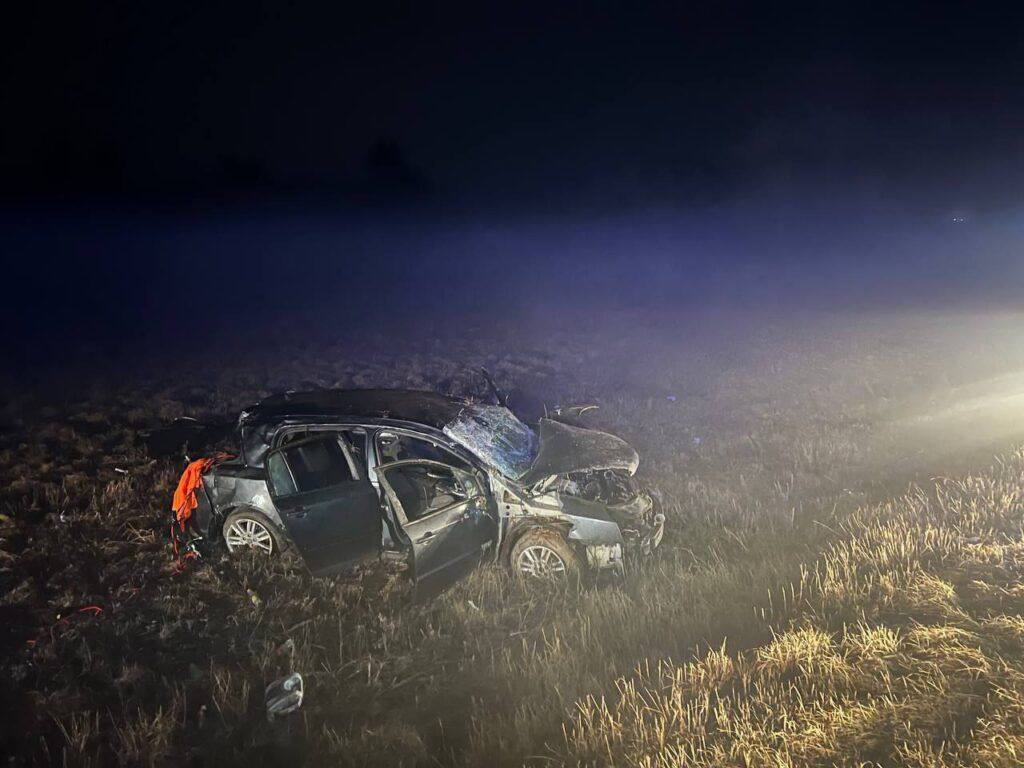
(344, 476)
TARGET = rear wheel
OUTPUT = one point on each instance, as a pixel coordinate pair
(248, 530)
(544, 555)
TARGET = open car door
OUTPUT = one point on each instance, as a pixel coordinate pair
(443, 510)
(326, 502)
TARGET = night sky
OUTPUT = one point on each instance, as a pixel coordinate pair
(470, 140)
(509, 100)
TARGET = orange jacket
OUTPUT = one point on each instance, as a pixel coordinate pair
(185, 494)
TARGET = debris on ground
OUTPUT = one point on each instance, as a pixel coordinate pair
(284, 696)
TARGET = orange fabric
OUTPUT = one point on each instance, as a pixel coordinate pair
(185, 494)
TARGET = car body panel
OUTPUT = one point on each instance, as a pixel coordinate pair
(564, 449)
(230, 488)
(334, 527)
(444, 538)
(449, 543)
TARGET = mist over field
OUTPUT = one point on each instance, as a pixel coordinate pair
(127, 278)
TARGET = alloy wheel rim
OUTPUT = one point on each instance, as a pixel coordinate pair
(540, 562)
(249, 533)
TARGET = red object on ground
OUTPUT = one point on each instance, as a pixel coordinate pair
(63, 622)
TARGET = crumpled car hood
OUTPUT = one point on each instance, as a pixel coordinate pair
(563, 449)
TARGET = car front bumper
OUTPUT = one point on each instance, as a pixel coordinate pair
(644, 528)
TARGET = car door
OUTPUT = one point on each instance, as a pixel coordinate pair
(326, 502)
(444, 512)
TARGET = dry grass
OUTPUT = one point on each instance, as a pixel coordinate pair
(800, 612)
(899, 645)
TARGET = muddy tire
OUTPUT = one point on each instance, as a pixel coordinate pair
(544, 555)
(248, 530)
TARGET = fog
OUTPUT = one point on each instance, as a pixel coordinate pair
(122, 277)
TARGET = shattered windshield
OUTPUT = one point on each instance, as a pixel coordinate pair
(496, 436)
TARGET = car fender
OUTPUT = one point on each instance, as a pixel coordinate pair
(228, 494)
(591, 522)
(523, 525)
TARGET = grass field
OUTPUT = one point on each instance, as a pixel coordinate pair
(840, 582)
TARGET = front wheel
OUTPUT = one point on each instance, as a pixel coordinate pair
(543, 555)
(251, 530)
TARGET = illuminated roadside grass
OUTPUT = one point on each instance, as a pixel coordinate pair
(903, 644)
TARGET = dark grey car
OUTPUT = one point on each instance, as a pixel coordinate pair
(345, 475)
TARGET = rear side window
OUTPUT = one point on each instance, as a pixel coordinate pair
(280, 477)
(310, 466)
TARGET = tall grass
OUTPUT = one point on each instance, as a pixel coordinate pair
(901, 644)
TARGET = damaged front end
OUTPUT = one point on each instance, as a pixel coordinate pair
(591, 473)
(566, 476)
(635, 510)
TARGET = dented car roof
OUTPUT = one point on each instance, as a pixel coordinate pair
(413, 405)
(492, 433)
(258, 422)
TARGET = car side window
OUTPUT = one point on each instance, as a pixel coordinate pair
(353, 438)
(393, 447)
(423, 489)
(314, 464)
(280, 478)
